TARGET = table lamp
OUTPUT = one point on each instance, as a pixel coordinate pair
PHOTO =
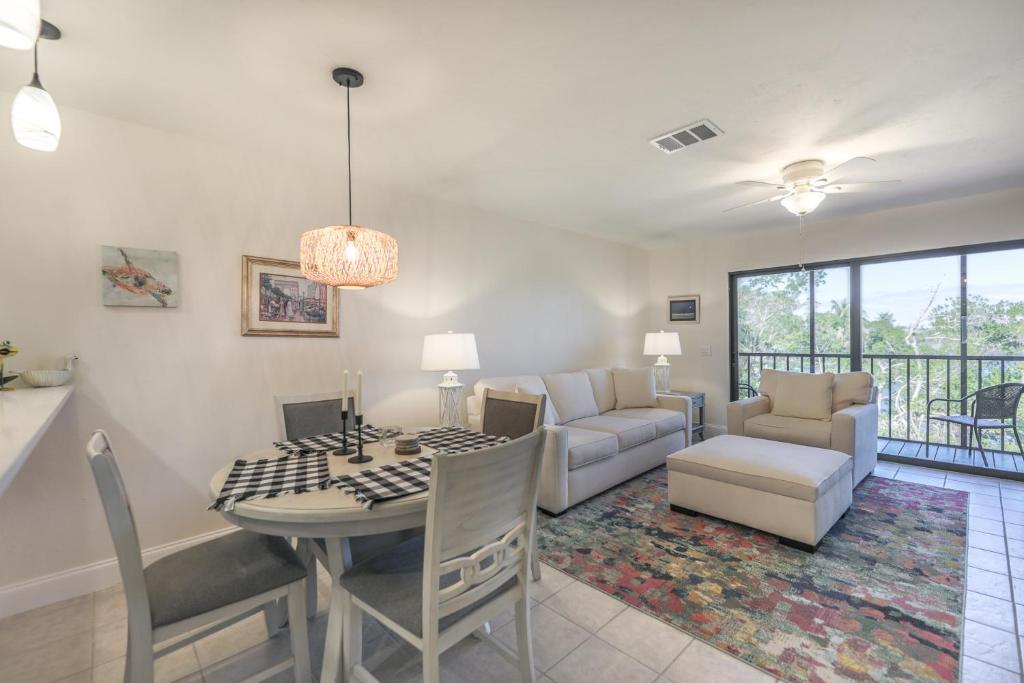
(449, 352)
(662, 344)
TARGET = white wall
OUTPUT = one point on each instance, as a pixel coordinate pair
(702, 267)
(180, 391)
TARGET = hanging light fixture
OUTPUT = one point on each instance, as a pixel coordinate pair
(349, 256)
(803, 200)
(34, 116)
(19, 23)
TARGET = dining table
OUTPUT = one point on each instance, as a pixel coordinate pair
(334, 516)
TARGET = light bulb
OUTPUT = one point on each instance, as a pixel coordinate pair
(19, 23)
(35, 119)
(351, 252)
(803, 201)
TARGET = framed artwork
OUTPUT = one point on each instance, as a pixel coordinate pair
(139, 277)
(684, 308)
(277, 301)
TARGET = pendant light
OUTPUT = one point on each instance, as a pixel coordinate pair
(34, 116)
(19, 23)
(349, 256)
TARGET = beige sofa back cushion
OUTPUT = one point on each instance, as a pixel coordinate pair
(634, 388)
(852, 388)
(572, 395)
(804, 395)
(604, 388)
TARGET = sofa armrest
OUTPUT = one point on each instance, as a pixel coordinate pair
(684, 405)
(738, 412)
(855, 432)
(553, 496)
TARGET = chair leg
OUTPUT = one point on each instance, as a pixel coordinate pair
(534, 557)
(977, 434)
(311, 588)
(298, 630)
(138, 665)
(524, 640)
(352, 638)
(1016, 436)
(431, 664)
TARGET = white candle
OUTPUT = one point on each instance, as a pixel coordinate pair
(359, 393)
(344, 391)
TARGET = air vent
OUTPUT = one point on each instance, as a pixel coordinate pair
(702, 130)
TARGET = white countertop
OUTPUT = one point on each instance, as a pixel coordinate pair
(25, 414)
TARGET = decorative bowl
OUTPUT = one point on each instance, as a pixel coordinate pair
(46, 378)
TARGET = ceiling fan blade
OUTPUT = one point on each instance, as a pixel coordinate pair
(833, 174)
(761, 183)
(760, 201)
(843, 188)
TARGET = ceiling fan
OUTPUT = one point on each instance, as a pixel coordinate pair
(806, 183)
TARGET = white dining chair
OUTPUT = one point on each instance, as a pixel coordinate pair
(514, 414)
(192, 593)
(472, 564)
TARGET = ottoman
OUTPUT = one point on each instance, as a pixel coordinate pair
(796, 492)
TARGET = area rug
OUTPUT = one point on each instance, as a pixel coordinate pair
(881, 600)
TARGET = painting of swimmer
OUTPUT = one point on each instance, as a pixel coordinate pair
(139, 277)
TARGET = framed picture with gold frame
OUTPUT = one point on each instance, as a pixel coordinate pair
(684, 308)
(277, 301)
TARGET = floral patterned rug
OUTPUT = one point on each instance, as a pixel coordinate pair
(881, 600)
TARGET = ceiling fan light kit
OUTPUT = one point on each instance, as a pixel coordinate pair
(348, 256)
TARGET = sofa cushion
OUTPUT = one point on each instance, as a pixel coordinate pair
(817, 433)
(804, 395)
(589, 445)
(769, 466)
(524, 384)
(630, 432)
(850, 388)
(604, 388)
(634, 388)
(572, 395)
(665, 421)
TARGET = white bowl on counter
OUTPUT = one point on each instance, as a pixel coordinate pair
(51, 378)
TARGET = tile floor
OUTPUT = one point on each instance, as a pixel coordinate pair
(581, 635)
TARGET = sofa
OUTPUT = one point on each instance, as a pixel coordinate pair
(603, 426)
(823, 410)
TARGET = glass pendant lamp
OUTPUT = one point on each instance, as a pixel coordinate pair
(34, 116)
(19, 23)
(349, 256)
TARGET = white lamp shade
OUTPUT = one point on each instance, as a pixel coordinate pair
(802, 203)
(442, 352)
(662, 344)
(19, 23)
(35, 119)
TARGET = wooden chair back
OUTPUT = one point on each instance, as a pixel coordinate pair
(511, 414)
(480, 518)
(123, 531)
(305, 415)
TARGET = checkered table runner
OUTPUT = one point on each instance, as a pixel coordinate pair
(405, 478)
(321, 443)
(271, 477)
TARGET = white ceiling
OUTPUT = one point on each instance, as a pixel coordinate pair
(542, 109)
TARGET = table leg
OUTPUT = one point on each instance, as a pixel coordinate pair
(339, 560)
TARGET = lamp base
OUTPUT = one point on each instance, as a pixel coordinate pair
(449, 404)
(661, 375)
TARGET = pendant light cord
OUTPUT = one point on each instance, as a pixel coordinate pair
(348, 119)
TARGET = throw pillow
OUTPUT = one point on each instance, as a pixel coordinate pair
(604, 389)
(850, 388)
(572, 395)
(634, 388)
(804, 395)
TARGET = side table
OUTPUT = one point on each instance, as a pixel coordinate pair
(697, 400)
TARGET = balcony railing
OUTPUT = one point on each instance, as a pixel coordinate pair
(906, 383)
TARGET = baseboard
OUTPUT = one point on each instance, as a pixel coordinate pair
(70, 583)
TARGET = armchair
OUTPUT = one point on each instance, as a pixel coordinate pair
(847, 420)
(993, 407)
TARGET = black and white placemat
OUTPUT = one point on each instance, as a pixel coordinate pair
(386, 482)
(321, 443)
(458, 439)
(271, 477)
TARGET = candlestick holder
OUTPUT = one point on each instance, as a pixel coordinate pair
(359, 458)
(345, 448)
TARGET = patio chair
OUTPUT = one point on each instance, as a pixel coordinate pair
(993, 407)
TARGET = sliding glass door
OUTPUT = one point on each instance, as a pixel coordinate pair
(936, 324)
